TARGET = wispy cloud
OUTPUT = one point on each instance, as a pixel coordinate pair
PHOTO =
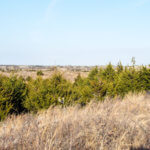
(49, 9)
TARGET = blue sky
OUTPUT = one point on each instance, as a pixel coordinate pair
(74, 32)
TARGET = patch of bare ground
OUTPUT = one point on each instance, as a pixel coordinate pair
(109, 125)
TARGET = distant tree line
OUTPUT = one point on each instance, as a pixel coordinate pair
(19, 95)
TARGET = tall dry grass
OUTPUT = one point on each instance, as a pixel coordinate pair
(111, 125)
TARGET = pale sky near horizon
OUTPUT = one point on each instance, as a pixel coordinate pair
(74, 32)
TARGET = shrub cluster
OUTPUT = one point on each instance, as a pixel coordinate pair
(19, 95)
(40, 73)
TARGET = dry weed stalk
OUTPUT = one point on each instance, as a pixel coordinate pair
(111, 125)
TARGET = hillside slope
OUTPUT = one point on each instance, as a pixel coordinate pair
(111, 125)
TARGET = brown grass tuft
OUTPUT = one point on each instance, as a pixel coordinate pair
(111, 125)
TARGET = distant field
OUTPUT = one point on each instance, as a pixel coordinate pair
(69, 75)
(111, 125)
(68, 72)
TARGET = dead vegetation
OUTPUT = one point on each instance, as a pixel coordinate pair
(111, 125)
(67, 74)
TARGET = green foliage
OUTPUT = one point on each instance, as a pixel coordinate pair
(144, 78)
(18, 95)
(82, 93)
(119, 68)
(43, 93)
(40, 73)
(28, 78)
(108, 73)
(93, 73)
(12, 95)
(37, 95)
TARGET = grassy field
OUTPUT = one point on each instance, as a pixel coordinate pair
(68, 75)
(109, 125)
